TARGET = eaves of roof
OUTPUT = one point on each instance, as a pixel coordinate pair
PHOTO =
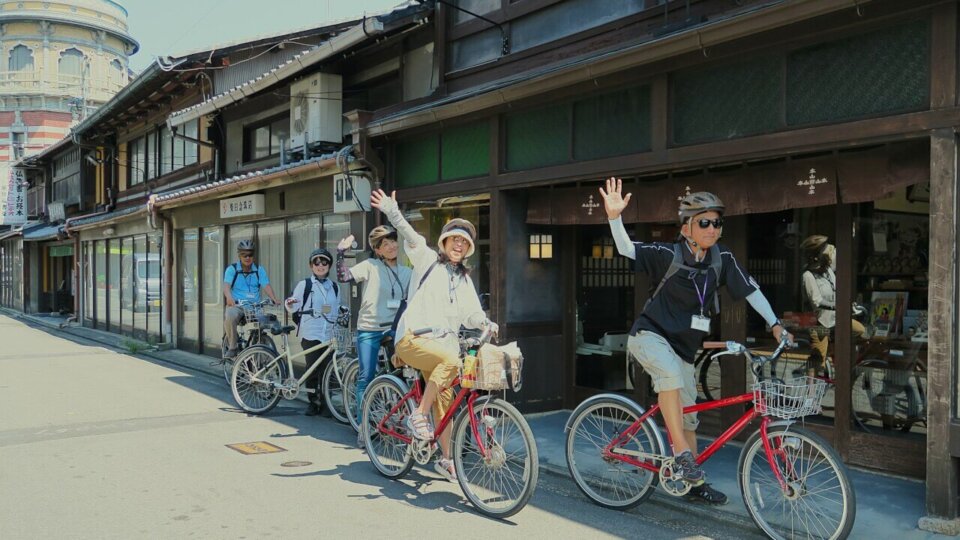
(364, 30)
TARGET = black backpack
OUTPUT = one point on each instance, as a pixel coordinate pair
(307, 289)
(716, 265)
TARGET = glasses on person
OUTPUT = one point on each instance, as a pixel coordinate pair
(321, 262)
(246, 255)
(705, 223)
(459, 240)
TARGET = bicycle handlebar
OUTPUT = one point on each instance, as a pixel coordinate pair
(734, 348)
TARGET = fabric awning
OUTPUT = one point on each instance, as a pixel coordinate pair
(847, 177)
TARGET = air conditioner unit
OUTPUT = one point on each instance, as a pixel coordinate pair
(316, 110)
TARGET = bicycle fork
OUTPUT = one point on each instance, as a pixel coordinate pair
(776, 453)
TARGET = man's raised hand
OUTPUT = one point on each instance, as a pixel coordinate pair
(613, 202)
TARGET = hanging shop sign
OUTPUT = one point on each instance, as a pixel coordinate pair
(247, 205)
(351, 193)
(15, 212)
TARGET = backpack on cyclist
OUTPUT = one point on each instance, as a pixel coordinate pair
(239, 270)
(716, 265)
(403, 302)
(307, 289)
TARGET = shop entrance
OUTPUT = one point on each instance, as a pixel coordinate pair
(604, 311)
(57, 295)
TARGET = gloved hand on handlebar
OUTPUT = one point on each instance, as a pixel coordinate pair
(492, 327)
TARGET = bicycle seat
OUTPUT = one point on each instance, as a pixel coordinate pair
(277, 330)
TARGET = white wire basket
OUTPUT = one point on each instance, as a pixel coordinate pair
(795, 398)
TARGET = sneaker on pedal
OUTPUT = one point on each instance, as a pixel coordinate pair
(445, 468)
(231, 353)
(706, 494)
(361, 440)
(688, 469)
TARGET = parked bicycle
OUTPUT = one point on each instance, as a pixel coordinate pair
(494, 452)
(333, 382)
(254, 329)
(792, 481)
(888, 388)
(261, 376)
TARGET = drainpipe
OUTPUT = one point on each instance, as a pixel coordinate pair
(167, 258)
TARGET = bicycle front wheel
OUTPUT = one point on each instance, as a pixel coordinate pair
(226, 363)
(388, 453)
(608, 482)
(499, 480)
(350, 374)
(332, 388)
(256, 380)
(817, 500)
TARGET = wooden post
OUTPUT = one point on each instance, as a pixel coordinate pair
(843, 340)
(733, 322)
(942, 474)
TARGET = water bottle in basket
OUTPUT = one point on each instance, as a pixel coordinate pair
(469, 377)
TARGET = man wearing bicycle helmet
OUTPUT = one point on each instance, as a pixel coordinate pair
(316, 300)
(386, 289)
(676, 319)
(443, 297)
(242, 281)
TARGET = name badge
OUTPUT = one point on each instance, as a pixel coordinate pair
(326, 309)
(393, 304)
(701, 323)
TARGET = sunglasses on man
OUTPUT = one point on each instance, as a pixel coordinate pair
(705, 223)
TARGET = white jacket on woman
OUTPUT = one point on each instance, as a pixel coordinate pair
(446, 299)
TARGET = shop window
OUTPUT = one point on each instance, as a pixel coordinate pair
(270, 254)
(891, 254)
(212, 282)
(113, 285)
(189, 327)
(130, 284)
(89, 283)
(152, 244)
(100, 283)
(263, 139)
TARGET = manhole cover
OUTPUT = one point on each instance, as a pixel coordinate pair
(296, 463)
(256, 447)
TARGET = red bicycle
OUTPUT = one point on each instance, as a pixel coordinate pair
(494, 452)
(792, 481)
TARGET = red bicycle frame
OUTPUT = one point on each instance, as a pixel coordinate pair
(731, 432)
(416, 393)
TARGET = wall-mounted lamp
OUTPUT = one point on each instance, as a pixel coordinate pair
(541, 246)
(109, 231)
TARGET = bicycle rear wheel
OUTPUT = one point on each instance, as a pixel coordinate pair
(350, 374)
(226, 363)
(332, 388)
(499, 482)
(388, 453)
(256, 379)
(610, 483)
(818, 501)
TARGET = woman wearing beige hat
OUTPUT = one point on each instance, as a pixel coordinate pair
(442, 296)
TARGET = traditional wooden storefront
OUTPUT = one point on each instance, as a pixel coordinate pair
(802, 130)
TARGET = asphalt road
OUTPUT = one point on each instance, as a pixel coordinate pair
(99, 444)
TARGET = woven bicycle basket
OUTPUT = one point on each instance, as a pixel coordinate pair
(795, 398)
(499, 367)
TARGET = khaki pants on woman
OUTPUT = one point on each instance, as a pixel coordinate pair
(436, 362)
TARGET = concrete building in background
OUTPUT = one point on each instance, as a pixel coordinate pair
(59, 60)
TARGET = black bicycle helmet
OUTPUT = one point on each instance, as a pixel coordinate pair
(323, 253)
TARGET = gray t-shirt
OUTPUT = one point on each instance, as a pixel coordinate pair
(384, 289)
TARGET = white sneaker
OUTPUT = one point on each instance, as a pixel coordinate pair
(445, 468)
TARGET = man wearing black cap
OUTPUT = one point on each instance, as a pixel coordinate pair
(316, 300)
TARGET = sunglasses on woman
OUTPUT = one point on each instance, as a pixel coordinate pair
(321, 262)
(705, 223)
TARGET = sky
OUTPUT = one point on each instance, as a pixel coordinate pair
(167, 27)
